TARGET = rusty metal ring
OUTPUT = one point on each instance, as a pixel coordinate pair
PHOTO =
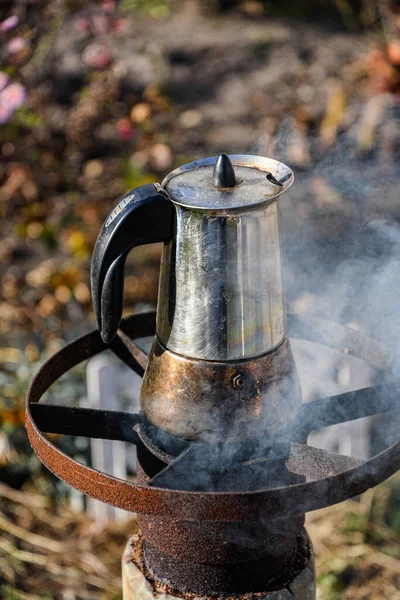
(193, 506)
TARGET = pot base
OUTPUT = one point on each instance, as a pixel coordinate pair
(201, 400)
(139, 584)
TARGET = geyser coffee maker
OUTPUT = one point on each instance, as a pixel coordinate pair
(220, 314)
(224, 473)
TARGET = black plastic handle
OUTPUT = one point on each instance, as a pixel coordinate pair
(143, 216)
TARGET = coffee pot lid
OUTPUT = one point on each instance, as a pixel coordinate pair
(228, 182)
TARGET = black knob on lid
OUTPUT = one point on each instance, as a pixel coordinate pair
(224, 173)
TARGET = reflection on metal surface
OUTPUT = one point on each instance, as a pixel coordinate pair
(191, 185)
(196, 399)
(221, 294)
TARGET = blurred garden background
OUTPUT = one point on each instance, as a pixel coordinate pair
(100, 97)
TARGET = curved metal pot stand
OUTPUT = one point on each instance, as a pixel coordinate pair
(331, 478)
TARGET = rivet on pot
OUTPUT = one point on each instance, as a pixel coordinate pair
(238, 381)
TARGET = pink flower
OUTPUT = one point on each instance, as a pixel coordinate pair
(16, 45)
(108, 6)
(124, 129)
(97, 56)
(5, 113)
(4, 79)
(13, 96)
(83, 25)
(9, 23)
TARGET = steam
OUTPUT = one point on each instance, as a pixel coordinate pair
(341, 242)
(341, 263)
(341, 248)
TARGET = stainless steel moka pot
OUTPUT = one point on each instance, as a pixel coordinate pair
(220, 364)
